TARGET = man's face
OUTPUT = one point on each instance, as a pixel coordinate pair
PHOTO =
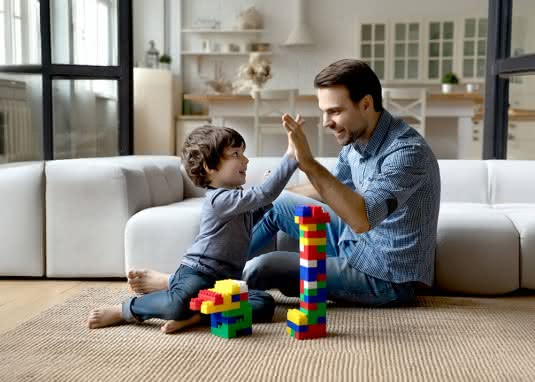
(341, 115)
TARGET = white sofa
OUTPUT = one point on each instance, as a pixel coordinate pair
(106, 215)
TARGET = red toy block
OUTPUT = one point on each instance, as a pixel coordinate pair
(317, 211)
(321, 277)
(308, 305)
(314, 234)
(244, 296)
(314, 220)
(313, 331)
(208, 295)
(195, 303)
(310, 252)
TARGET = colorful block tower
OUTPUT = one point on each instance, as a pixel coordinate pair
(310, 320)
(228, 306)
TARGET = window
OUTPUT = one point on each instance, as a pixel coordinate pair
(372, 47)
(406, 51)
(474, 48)
(19, 40)
(440, 49)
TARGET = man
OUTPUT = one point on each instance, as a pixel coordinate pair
(383, 198)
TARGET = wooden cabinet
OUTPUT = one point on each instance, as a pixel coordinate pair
(521, 140)
(154, 132)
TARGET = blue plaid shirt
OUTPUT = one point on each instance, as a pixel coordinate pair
(397, 174)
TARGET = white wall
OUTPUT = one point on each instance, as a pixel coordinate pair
(147, 25)
(334, 24)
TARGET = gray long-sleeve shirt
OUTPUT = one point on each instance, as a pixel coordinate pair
(227, 220)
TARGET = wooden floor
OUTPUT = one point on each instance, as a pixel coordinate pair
(21, 300)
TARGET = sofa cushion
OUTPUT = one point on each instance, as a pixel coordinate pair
(96, 197)
(463, 181)
(511, 181)
(158, 237)
(477, 250)
(523, 218)
(162, 175)
(21, 219)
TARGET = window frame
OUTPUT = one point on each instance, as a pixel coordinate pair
(500, 68)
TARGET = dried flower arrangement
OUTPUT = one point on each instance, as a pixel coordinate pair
(254, 75)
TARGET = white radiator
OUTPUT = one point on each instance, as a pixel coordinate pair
(18, 141)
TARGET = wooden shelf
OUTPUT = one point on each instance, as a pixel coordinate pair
(223, 31)
(224, 53)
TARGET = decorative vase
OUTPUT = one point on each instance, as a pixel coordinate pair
(447, 88)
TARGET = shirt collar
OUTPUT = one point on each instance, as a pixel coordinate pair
(379, 133)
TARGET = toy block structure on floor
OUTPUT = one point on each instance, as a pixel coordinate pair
(310, 320)
(227, 303)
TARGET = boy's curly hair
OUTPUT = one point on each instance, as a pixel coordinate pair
(206, 145)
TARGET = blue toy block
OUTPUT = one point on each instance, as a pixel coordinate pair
(322, 320)
(297, 328)
(244, 332)
(303, 211)
(235, 297)
(308, 274)
(321, 296)
(322, 266)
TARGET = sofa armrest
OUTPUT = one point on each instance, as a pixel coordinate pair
(21, 219)
(89, 202)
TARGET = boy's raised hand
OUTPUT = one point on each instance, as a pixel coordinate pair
(298, 146)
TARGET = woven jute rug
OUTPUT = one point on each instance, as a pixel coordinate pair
(441, 338)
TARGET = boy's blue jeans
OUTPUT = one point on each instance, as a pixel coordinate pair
(280, 270)
(173, 304)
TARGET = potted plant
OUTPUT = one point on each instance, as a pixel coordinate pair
(448, 81)
(165, 61)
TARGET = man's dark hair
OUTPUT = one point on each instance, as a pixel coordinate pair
(359, 79)
(206, 145)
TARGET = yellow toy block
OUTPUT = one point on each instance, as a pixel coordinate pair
(297, 317)
(227, 286)
(308, 227)
(208, 307)
(312, 241)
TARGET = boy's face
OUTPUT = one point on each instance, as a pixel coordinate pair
(231, 171)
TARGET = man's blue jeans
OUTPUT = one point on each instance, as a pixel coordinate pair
(280, 270)
(173, 304)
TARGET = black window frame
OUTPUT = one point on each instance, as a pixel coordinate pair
(500, 67)
(122, 73)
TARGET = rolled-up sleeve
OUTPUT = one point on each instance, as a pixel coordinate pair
(401, 173)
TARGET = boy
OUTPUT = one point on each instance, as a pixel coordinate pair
(213, 158)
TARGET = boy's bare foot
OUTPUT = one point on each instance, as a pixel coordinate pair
(143, 281)
(106, 316)
(172, 326)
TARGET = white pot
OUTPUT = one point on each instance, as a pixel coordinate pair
(447, 88)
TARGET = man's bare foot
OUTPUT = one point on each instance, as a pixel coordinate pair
(105, 316)
(143, 281)
(172, 326)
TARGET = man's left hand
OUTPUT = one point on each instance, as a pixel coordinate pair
(297, 140)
